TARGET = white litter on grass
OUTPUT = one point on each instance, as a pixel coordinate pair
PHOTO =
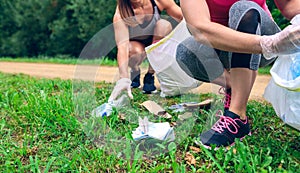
(160, 131)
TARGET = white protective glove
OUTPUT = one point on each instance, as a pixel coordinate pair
(285, 42)
(122, 84)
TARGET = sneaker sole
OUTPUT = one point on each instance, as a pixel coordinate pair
(139, 87)
(150, 92)
(199, 143)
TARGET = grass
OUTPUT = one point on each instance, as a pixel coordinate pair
(61, 60)
(102, 61)
(46, 127)
(265, 70)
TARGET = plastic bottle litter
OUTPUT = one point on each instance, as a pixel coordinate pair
(295, 67)
(103, 110)
(106, 108)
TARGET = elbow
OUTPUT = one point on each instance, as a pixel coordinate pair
(291, 16)
(180, 18)
(288, 15)
(198, 34)
(199, 37)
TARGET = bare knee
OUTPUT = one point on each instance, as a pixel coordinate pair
(136, 54)
(162, 28)
(136, 48)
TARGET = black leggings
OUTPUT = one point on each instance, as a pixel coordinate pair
(248, 24)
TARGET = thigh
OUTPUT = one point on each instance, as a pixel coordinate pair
(199, 61)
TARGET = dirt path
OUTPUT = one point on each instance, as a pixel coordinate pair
(103, 73)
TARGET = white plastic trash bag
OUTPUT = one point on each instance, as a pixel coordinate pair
(282, 74)
(283, 92)
(162, 57)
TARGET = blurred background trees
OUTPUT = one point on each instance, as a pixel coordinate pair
(60, 27)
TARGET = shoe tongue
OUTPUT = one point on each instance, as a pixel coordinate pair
(149, 74)
(228, 91)
(230, 114)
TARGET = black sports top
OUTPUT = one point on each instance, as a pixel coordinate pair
(145, 30)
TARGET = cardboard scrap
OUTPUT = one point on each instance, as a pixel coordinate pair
(204, 104)
(190, 159)
(156, 109)
(187, 106)
(185, 116)
(195, 149)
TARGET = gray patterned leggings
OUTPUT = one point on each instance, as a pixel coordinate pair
(205, 63)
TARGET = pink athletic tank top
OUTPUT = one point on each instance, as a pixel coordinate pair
(219, 9)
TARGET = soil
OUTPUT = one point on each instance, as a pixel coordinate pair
(108, 74)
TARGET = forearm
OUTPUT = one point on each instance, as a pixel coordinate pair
(172, 9)
(122, 41)
(224, 38)
(175, 13)
(123, 59)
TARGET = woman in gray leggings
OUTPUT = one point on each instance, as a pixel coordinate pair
(226, 47)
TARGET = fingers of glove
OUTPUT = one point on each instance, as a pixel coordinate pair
(294, 35)
(285, 42)
(129, 93)
(114, 94)
(288, 40)
(121, 84)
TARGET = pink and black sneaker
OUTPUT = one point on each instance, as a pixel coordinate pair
(227, 97)
(225, 131)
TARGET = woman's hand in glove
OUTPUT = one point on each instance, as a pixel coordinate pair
(122, 84)
(285, 42)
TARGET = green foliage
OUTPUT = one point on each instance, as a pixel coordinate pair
(265, 70)
(30, 33)
(79, 21)
(53, 27)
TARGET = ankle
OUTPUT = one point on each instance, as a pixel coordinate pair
(241, 114)
(135, 70)
(151, 71)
